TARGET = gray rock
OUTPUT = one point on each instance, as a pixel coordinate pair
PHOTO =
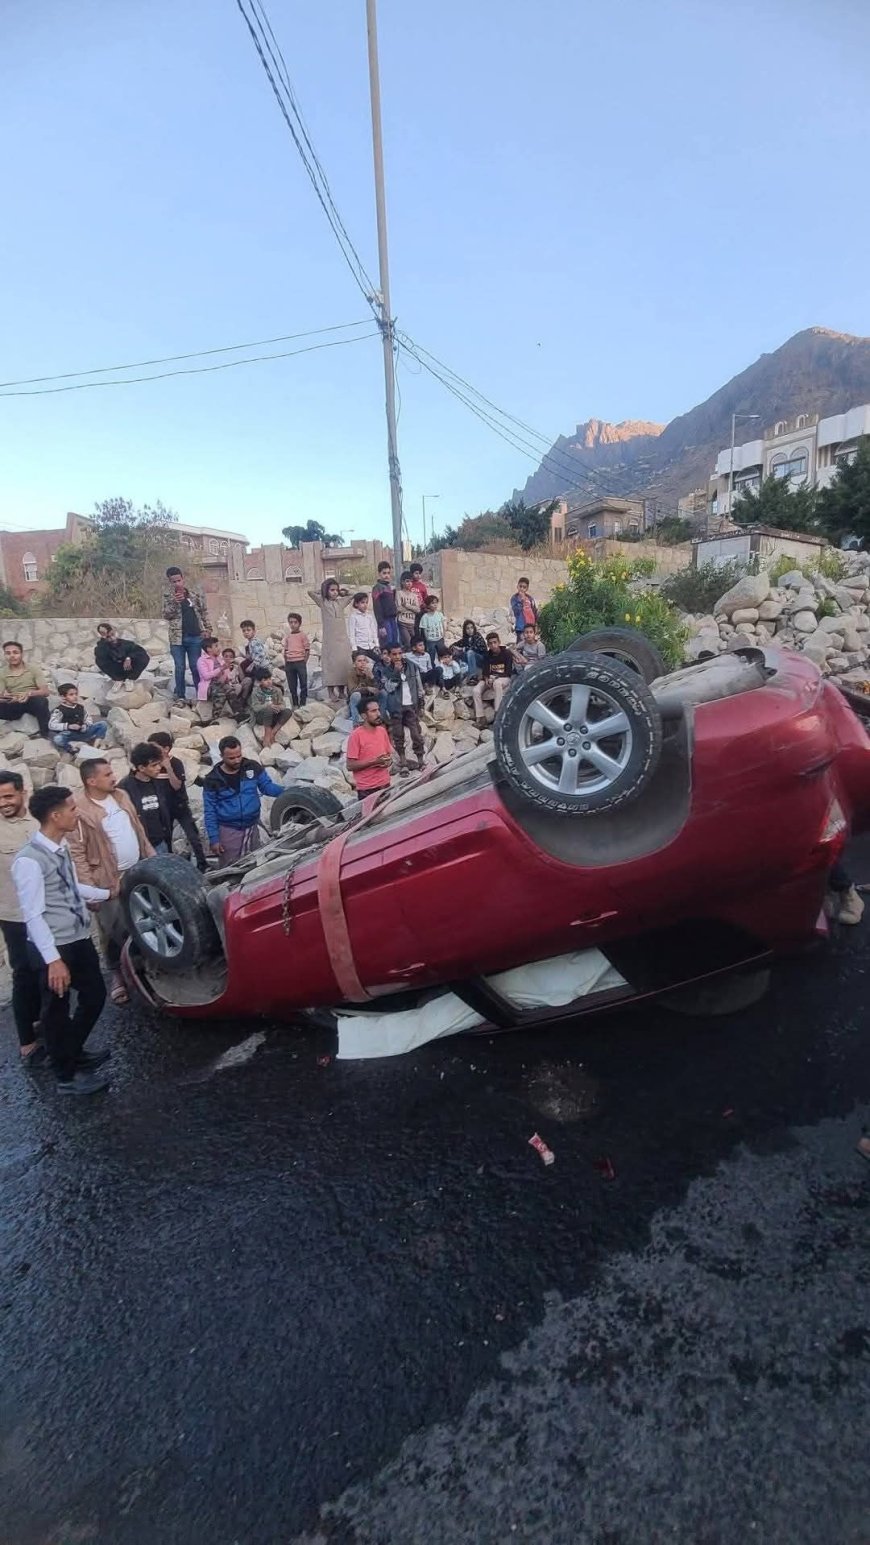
(748, 592)
(744, 614)
(312, 767)
(769, 610)
(804, 622)
(328, 744)
(793, 580)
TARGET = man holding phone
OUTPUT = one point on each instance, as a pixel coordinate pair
(186, 612)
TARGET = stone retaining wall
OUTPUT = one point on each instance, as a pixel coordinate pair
(53, 638)
(472, 584)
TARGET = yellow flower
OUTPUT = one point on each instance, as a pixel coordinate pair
(628, 616)
(637, 616)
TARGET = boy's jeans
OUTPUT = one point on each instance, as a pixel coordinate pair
(64, 739)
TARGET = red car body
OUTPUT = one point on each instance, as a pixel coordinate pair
(776, 779)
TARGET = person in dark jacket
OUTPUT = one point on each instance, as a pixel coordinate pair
(231, 798)
(149, 794)
(385, 606)
(119, 658)
(471, 648)
(176, 788)
(404, 690)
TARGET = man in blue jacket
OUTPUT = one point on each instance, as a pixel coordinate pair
(231, 798)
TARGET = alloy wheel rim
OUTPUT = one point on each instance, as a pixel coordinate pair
(575, 739)
(158, 921)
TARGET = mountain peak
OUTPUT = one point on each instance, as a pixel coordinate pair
(817, 370)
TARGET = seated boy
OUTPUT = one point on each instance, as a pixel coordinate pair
(267, 703)
(496, 671)
(529, 648)
(452, 670)
(418, 655)
(363, 684)
(70, 722)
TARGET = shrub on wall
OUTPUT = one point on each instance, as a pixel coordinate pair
(698, 590)
(601, 595)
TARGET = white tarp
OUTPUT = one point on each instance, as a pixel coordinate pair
(543, 984)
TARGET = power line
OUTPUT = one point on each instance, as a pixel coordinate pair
(171, 359)
(312, 166)
(228, 364)
(559, 463)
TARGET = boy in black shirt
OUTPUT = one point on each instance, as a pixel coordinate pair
(148, 791)
(496, 671)
(172, 771)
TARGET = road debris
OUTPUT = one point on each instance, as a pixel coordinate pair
(547, 1154)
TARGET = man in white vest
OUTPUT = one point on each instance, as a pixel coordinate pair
(55, 908)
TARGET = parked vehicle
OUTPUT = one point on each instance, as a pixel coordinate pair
(684, 829)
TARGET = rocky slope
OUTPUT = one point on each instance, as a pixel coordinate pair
(816, 371)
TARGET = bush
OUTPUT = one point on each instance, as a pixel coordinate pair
(698, 590)
(831, 564)
(600, 595)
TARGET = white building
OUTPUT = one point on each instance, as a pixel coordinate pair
(807, 450)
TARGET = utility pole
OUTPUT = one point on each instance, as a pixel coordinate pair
(385, 318)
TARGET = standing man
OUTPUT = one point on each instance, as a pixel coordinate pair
(404, 689)
(16, 828)
(107, 838)
(417, 583)
(369, 752)
(54, 906)
(231, 802)
(23, 688)
(384, 605)
(119, 658)
(149, 795)
(185, 611)
(496, 671)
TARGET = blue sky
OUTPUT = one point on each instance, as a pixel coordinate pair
(594, 211)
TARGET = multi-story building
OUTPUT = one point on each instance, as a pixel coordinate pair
(604, 517)
(807, 450)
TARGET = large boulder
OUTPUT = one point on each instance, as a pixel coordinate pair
(770, 609)
(11, 745)
(804, 622)
(311, 768)
(749, 591)
(39, 753)
(443, 748)
(744, 614)
(328, 744)
(314, 710)
(136, 697)
(795, 579)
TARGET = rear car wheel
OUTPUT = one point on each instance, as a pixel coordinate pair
(300, 804)
(628, 645)
(723, 995)
(165, 903)
(578, 733)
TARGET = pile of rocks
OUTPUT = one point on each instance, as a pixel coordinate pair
(828, 620)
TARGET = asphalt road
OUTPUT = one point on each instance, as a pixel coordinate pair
(251, 1299)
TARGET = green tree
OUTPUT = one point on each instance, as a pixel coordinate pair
(312, 531)
(529, 523)
(777, 504)
(672, 530)
(119, 566)
(606, 595)
(844, 507)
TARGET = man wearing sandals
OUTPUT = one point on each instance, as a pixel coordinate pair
(107, 840)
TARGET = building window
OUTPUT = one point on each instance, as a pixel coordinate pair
(845, 457)
(592, 529)
(795, 467)
(31, 569)
(214, 544)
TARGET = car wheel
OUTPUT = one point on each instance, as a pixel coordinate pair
(723, 995)
(167, 913)
(628, 645)
(578, 733)
(300, 804)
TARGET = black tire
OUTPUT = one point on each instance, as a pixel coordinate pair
(167, 913)
(535, 715)
(722, 995)
(628, 645)
(300, 804)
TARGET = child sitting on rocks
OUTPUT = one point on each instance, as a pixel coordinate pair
(267, 704)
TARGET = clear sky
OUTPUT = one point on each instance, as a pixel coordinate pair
(594, 211)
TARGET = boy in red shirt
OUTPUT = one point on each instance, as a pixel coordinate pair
(369, 751)
(297, 648)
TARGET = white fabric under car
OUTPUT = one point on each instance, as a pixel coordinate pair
(543, 984)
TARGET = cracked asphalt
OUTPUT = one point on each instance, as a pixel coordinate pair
(252, 1299)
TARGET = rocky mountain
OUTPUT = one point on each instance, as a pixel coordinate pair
(816, 371)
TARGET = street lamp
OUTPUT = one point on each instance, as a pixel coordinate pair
(425, 497)
(734, 418)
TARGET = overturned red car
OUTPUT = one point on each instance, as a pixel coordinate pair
(682, 828)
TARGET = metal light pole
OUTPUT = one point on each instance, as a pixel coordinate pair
(425, 497)
(385, 319)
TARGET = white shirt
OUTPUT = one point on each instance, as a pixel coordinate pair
(362, 630)
(119, 830)
(406, 692)
(30, 885)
